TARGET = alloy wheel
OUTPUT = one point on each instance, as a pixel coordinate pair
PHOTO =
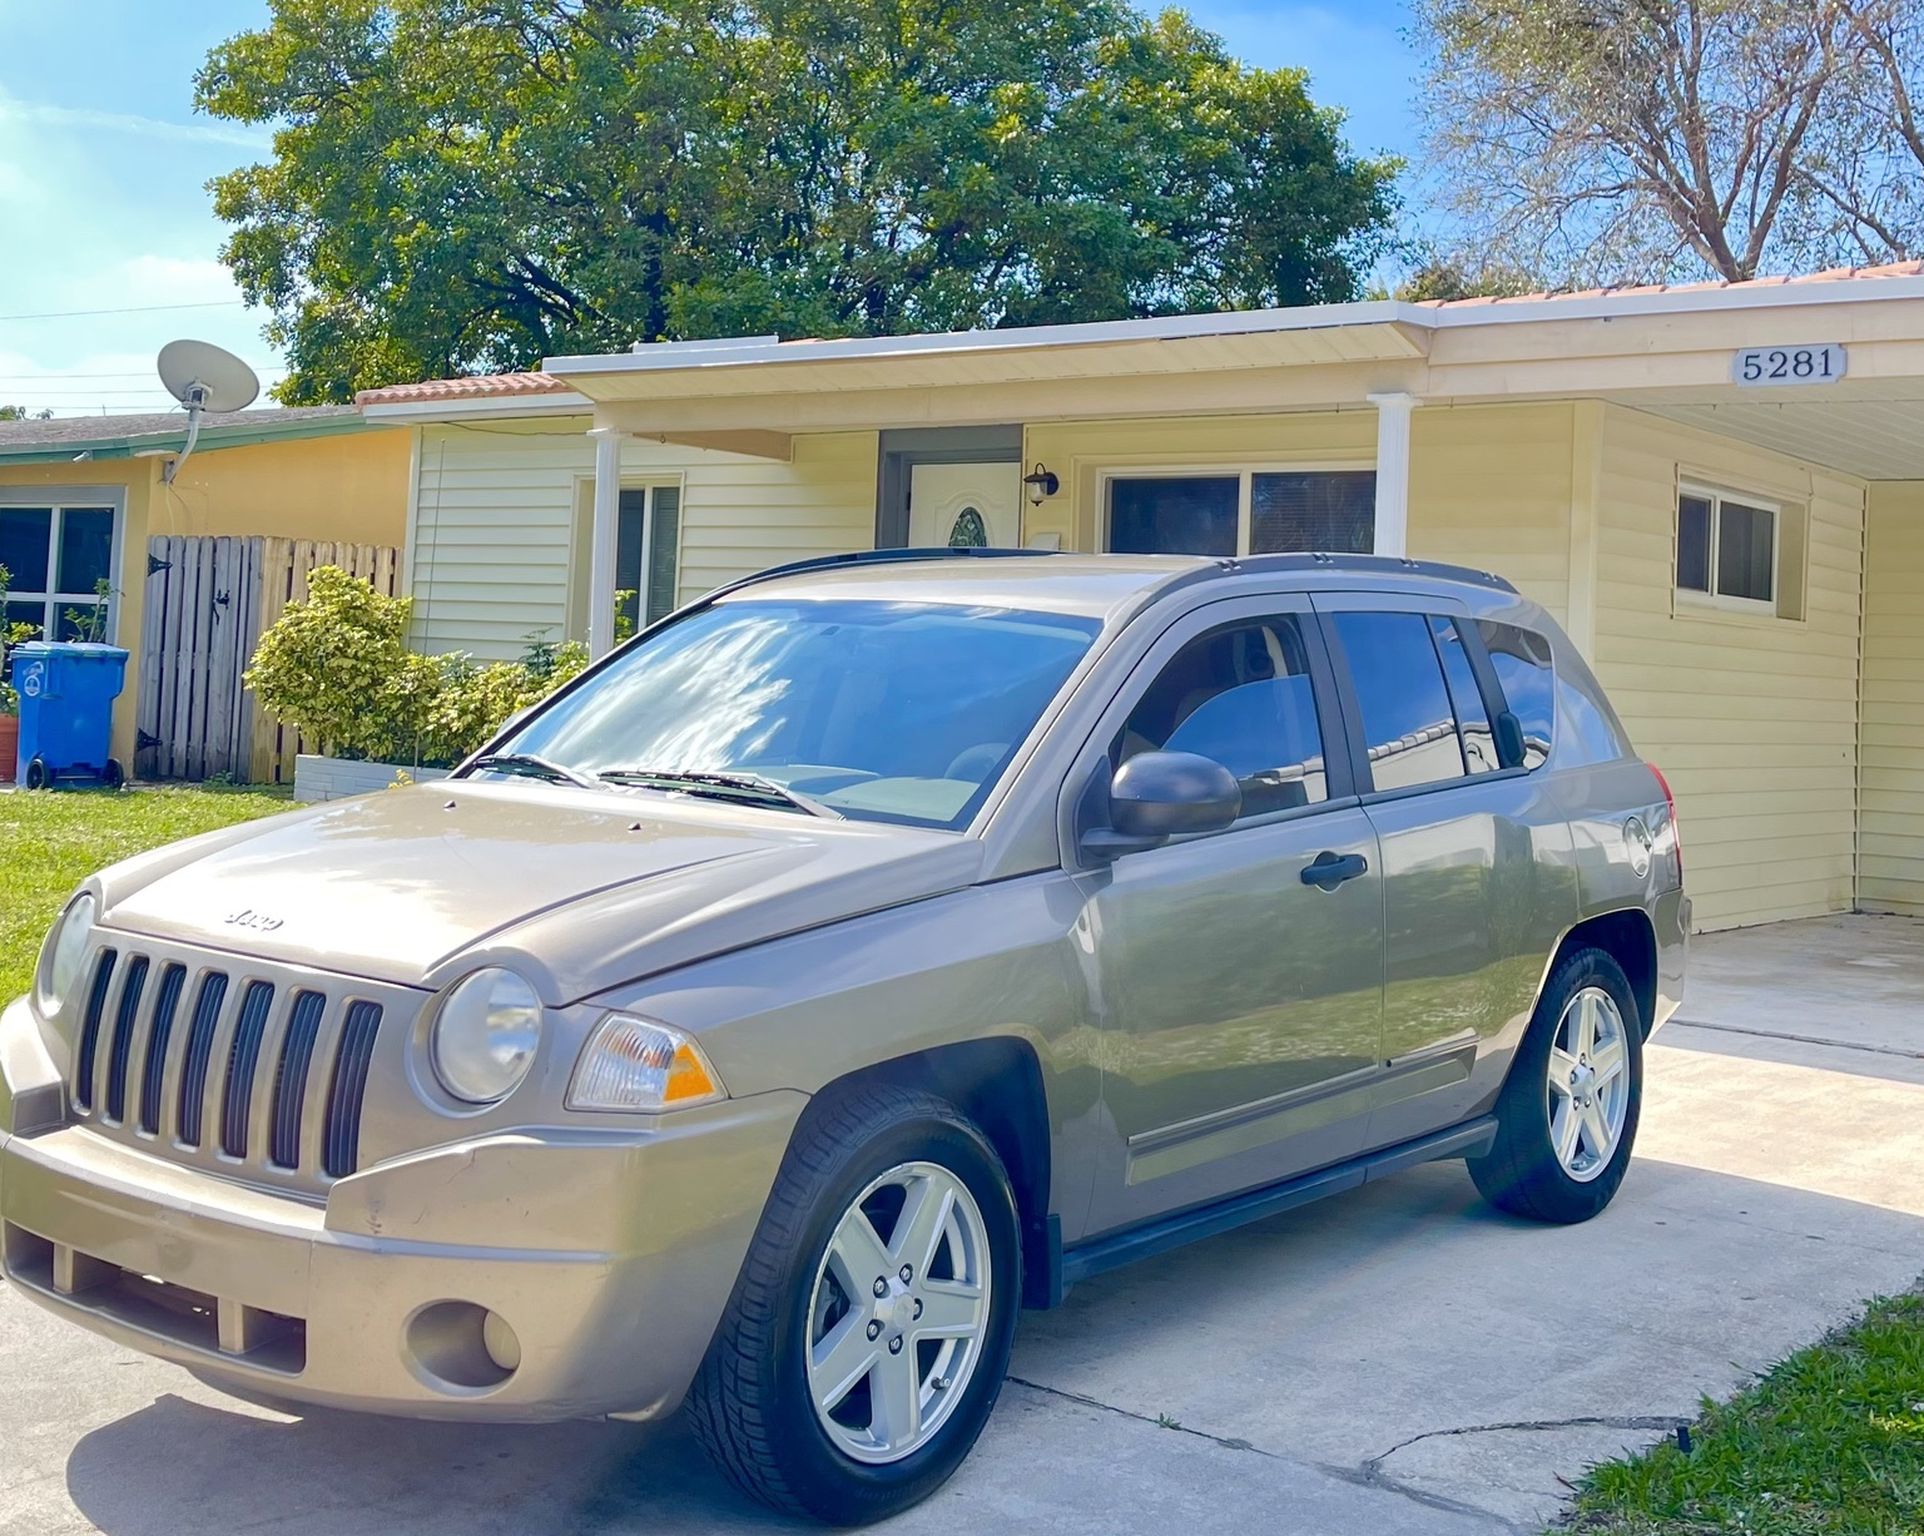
(1588, 1091)
(898, 1312)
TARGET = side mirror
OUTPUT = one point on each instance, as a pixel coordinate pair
(1158, 795)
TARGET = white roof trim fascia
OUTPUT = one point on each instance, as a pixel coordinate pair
(738, 352)
(1791, 295)
(486, 406)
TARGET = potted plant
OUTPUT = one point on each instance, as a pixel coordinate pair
(12, 632)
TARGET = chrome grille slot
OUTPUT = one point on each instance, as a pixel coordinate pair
(173, 981)
(341, 1154)
(200, 1050)
(242, 1060)
(83, 1076)
(246, 1068)
(290, 1077)
(125, 1017)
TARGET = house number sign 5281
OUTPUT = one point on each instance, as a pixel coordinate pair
(1761, 367)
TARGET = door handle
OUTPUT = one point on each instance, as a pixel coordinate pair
(1329, 870)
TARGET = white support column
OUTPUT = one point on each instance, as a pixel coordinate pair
(601, 541)
(1393, 411)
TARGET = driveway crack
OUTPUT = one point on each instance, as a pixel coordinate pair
(1226, 1442)
(1784, 1034)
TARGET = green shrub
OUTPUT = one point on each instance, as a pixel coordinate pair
(337, 668)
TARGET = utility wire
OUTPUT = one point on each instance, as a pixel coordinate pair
(137, 309)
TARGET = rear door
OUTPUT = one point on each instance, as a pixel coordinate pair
(1475, 852)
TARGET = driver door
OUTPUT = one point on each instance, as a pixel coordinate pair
(1241, 1004)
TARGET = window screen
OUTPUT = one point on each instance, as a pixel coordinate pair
(1521, 660)
(1332, 510)
(1746, 539)
(1472, 715)
(1725, 547)
(1241, 696)
(1408, 725)
(1174, 515)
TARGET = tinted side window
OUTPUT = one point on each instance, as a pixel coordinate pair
(1242, 696)
(1521, 658)
(1472, 715)
(1408, 724)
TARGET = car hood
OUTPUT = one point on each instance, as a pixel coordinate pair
(580, 890)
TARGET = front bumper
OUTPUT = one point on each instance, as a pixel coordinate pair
(609, 1257)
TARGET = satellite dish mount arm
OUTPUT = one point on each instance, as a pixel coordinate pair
(196, 403)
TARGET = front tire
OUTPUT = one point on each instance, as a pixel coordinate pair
(1567, 1116)
(870, 1329)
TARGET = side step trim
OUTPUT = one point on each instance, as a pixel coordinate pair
(1086, 1260)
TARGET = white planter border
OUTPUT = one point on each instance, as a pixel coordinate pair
(318, 778)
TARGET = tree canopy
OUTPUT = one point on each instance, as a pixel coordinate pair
(469, 185)
(1601, 141)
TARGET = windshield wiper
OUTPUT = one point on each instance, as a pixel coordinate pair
(729, 785)
(527, 765)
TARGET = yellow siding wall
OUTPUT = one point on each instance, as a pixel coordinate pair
(498, 541)
(349, 487)
(1890, 875)
(1490, 487)
(1754, 720)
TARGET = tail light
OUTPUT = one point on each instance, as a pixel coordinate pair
(1670, 804)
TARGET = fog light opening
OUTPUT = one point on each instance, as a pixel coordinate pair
(458, 1347)
(503, 1348)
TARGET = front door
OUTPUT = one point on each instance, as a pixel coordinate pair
(960, 506)
(1241, 1002)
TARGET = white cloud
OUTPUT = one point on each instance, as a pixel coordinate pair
(47, 115)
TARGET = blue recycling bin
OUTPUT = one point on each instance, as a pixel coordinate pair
(67, 691)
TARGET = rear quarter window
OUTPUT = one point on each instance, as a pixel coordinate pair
(1521, 658)
(1560, 710)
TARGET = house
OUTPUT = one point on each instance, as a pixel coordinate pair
(82, 496)
(1719, 489)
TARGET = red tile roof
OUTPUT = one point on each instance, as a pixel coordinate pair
(489, 386)
(1833, 275)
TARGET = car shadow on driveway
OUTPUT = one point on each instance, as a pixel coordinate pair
(179, 1464)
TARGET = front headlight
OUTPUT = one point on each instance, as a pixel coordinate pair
(486, 1029)
(65, 951)
(635, 1065)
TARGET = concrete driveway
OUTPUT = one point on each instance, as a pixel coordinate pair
(1397, 1360)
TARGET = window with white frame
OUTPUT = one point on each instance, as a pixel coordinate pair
(647, 551)
(58, 557)
(1727, 547)
(1241, 512)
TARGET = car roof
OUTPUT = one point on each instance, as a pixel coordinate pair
(1094, 586)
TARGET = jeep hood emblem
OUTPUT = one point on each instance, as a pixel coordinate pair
(247, 917)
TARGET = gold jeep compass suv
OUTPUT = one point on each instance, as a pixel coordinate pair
(871, 949)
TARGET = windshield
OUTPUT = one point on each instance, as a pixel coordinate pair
(905, 712)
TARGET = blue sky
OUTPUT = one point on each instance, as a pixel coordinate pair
(103, 167)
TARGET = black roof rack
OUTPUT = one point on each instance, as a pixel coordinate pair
(1398, 565)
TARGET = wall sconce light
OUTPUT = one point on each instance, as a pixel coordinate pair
(1042, 484)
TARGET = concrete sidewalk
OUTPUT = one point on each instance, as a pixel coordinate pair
(1397, 1360)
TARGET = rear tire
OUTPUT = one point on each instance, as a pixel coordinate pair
(1567, 1116)
(770, 1403)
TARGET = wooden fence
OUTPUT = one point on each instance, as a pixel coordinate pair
(208, 600)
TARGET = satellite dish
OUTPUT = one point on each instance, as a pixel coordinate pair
(204, 377)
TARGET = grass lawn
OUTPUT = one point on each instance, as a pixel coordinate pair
(49, 843)
(1829, 1443)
